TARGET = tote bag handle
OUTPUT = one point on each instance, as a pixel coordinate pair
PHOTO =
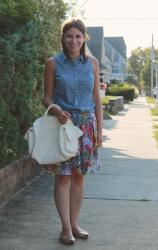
(52, 105)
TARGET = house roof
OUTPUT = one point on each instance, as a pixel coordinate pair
(96, 43)
(118, 43)
(112, 53)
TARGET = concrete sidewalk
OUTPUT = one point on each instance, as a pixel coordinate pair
(120, 206)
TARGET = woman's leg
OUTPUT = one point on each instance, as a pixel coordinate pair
(62, 200)
(76, 197)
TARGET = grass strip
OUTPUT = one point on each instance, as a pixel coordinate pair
(150, 100)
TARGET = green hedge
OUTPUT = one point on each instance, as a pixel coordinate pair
(29, 34)
(126, 91)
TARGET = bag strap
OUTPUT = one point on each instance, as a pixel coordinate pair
(52, 105)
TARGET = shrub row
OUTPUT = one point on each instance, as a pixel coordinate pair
(127, 92)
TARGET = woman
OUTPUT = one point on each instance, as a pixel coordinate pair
(72, 82)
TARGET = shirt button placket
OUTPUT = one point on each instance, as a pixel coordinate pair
(77, 89)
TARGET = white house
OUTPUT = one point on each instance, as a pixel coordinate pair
(97, 48)
(115, 50)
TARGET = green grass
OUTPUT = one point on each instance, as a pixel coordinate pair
(155, 132)
(150, 100)
(154, 111)
(105, 101)
(107, 98)
(156, 135)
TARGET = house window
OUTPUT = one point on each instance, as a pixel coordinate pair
(115, 69)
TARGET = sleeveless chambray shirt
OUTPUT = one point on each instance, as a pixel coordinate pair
(73, 92)
(74, 83)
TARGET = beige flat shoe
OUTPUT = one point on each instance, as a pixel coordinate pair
(67, 239)
(80, 234)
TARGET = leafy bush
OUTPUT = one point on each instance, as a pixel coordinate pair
(126, 91)
(29, 33)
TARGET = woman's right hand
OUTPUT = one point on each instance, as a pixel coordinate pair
(62, 116)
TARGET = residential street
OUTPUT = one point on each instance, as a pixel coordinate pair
(120, 206)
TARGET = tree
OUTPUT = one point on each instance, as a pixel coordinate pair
(140, 65)
(76, 8)
(137, 61)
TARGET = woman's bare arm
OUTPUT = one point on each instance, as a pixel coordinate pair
(97, 100)
(49, 84)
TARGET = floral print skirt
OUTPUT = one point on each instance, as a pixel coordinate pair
(87, 159)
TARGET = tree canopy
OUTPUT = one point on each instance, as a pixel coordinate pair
(139, 65)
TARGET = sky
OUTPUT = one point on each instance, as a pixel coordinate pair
(135, 20)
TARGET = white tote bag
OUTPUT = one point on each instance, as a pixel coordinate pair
(51, 142)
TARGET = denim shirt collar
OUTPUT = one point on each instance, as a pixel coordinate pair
(65, 57)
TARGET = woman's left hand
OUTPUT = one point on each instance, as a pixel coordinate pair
(99, 139)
